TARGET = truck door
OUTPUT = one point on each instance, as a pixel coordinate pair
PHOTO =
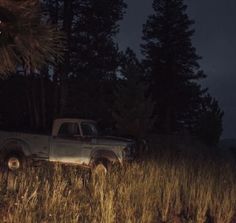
(68, 146)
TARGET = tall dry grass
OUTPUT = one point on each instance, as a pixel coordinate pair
(174, 188)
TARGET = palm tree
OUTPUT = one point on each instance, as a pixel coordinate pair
(25, 37)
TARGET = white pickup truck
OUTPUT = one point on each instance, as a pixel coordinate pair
(73, 141)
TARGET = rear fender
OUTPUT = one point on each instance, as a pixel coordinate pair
(15, 145)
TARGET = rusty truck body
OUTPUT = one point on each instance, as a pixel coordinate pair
(73, 141)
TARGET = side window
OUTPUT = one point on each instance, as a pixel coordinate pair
(68, 130)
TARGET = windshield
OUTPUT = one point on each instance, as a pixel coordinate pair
(89, 129)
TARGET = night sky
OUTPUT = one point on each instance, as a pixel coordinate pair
(214, 39)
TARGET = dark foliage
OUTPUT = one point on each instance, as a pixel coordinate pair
(133, 109)
(94, 80)
(82, 84)
(209, 126)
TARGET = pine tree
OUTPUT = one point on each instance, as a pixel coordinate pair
(96, 24)
(172, 65)
(95, 56)
(132, 110)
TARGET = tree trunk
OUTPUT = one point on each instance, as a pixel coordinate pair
(35, 105)
(28, 98)
(30, 109)
(36, 111)
(56, 97)
(67, 25)
(43, 102)
(167, 124)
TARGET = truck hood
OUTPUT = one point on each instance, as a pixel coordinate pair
(115, 141)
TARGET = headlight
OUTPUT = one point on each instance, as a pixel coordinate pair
(128, 152)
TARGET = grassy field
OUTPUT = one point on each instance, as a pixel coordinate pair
(176, 187)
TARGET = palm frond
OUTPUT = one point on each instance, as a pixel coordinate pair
(25, 38)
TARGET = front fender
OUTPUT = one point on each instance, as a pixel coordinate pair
(104, 154)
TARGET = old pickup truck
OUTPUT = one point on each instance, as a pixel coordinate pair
(73, 141)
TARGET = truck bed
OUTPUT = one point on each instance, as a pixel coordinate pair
(39, 145)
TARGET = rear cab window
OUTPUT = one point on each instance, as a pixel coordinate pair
(89, 129)
(69, 130)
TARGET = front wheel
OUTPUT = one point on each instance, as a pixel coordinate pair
(101, 167)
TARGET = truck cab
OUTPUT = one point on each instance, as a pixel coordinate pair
(73, 141)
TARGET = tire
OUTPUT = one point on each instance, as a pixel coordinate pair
(14, 162)
(101, 167)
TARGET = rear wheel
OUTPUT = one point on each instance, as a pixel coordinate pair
(14, 162)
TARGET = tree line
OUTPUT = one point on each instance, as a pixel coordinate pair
(62, 60)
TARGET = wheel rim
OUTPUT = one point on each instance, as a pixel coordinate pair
(13, 163)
